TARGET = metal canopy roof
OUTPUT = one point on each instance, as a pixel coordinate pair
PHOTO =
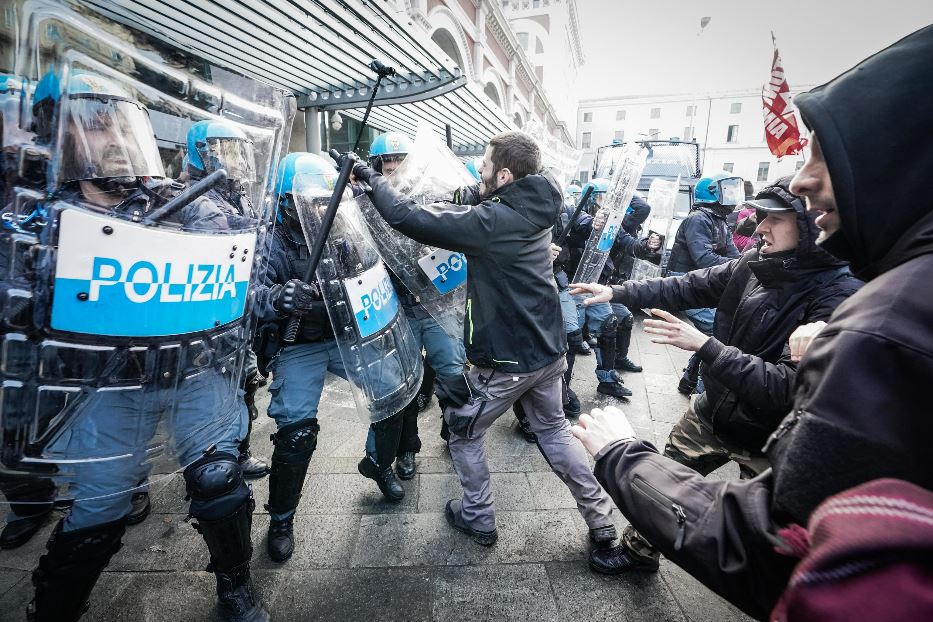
(320, 50)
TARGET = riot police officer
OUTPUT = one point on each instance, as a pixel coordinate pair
(299, 369)
(108, 164)
(702, 241)
(213, 145)
(443, 354)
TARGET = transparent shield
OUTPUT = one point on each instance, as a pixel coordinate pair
(233, 155)
(429, 175)
(732, 191)
(557, 157)
(608, 220)
(662, 197)
(379, 352)
(124, 336)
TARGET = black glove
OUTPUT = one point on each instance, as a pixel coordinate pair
(454, 391)
(295, 298)
(359, 170)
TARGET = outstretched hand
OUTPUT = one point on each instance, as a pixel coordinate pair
(671, 330)
(601, 428)
(601, 293)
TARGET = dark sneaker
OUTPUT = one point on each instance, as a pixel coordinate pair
(627, 364)
(452, 512)
(280, 542)
(19, 532)
(572, 408)
(405, 465)
(619, 559)
(613, 389)
(686, 387)
(141, 506)
(385, 478)
(252, 467)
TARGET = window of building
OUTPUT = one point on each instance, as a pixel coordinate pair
(620, 135)
(587, 117)
(584, 176)
(620, 115)
(763, 170)
(585, 139)
(655, 113)
(539, 46)
(535, 4)
(691, 111)
(735, 108)
(688, 133)
(799, 165)
(728, 166)
(732, 135)
(523, 40)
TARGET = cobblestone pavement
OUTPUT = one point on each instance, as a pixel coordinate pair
(359, 558)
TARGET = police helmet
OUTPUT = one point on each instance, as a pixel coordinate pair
(391, 145)
(722, 189)
(472, 166)
(218, 144)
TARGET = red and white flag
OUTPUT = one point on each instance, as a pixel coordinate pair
(781, 128)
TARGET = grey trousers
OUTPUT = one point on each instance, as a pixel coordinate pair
(540, 395)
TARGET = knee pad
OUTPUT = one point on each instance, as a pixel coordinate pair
(575, 338)
(609, 326)
(627, 323)
(215, 486)
(296, 442)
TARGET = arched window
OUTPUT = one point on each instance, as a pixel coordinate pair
(518, 120)
(446, 42)
(493, 93)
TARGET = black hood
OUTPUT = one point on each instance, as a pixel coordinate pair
(534, 197)
(875, 124)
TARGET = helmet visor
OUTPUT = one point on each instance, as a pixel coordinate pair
(108, 137)
(234, 155)
(731, 191)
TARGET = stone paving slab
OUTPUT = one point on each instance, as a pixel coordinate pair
(360, 558)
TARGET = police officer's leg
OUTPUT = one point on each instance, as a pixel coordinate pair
(409, 442)
(381, 449)
(691, 382)
(624, 339)
(253, 467)
(568, 310)
(105, 424)
(602, 322)
(299, 372)
(221, 500)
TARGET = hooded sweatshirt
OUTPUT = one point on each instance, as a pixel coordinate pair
(513, 320)
(759, 300)
(861, 407)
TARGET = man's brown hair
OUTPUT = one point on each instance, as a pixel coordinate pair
(517, 152)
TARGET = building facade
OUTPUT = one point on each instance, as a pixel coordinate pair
(521, 53)
(728, 126)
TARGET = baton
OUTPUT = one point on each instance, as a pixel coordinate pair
(186, 196)
(573, 219)
(343, 178)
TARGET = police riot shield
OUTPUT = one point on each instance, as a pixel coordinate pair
(608, 220)
(124, 300)
(557, 157)
(429, 174)
(380, 355)
(662, 197)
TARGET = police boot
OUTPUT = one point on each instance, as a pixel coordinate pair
(67, 573)
(222, 506)
(523, 425)
(141, 506)
(409, 443)
(426, 392)
(623, 342)
(605, 356)
(688, 382)
(252, 467)
(294, 446)
(378, 467)
(30, 499)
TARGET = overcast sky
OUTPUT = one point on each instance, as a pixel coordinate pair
(651, 46)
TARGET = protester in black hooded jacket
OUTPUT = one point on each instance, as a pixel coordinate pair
(862, 386)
